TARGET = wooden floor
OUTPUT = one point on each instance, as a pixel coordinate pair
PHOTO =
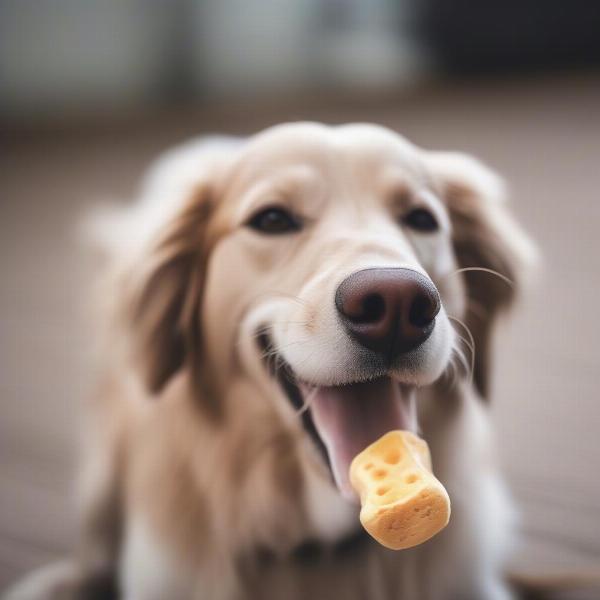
(544, 136)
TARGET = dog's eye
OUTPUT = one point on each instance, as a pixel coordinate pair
(275, 220)
(421, 219)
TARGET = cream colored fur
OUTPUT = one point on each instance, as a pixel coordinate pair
(198, 465)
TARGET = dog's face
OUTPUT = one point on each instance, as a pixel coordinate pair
(335, 245)
(321, 263)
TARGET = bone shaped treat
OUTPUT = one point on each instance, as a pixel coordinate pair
(403, 504)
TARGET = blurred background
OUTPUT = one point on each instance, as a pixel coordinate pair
(91, 91)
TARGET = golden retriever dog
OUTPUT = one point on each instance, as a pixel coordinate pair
(273, 305)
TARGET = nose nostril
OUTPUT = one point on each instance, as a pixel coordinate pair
(422, 311)
(389, 310)
(373, 309)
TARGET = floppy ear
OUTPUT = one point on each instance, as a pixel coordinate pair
(163, 296)
(485, 236)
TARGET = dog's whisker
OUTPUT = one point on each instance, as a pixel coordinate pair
(302, 362)
(460, 365)
(256, 334)
(275, 350)
(297, 299)
(455, 368)
(307, 401)
(452, 375)
(484, 270)
(447, 370)
(270, 295)
(471, 346)
(450, 372)
(463, 361)
(267, 329)
(464, 341)
(278, 349)
(275, 294)
(467, 364)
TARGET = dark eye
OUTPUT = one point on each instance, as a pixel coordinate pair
(275, 220)
(420, 219)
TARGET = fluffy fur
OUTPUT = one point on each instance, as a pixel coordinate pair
(200, 481)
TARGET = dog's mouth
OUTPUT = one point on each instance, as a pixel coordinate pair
(343, 420)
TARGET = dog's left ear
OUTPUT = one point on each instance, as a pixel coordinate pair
(485, 236)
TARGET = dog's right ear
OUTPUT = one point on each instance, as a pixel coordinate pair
(163, 294)
(486, 237)
(161, 248)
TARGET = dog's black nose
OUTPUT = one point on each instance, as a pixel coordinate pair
(389, 311)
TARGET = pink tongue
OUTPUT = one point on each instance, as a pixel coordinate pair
(349, 418)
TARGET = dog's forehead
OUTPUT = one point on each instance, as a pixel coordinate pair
(362, 147)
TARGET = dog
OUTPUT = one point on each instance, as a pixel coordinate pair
(272, 306)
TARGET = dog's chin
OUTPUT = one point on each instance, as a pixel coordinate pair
(342, 420)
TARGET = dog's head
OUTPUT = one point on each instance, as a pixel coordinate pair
(326, 266)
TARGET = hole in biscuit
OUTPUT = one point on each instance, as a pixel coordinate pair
(392, 457)
(368, 466)
(382, 491)
(379, 474)
(412, 478)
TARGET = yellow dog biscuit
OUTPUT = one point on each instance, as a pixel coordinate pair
(403, 504)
